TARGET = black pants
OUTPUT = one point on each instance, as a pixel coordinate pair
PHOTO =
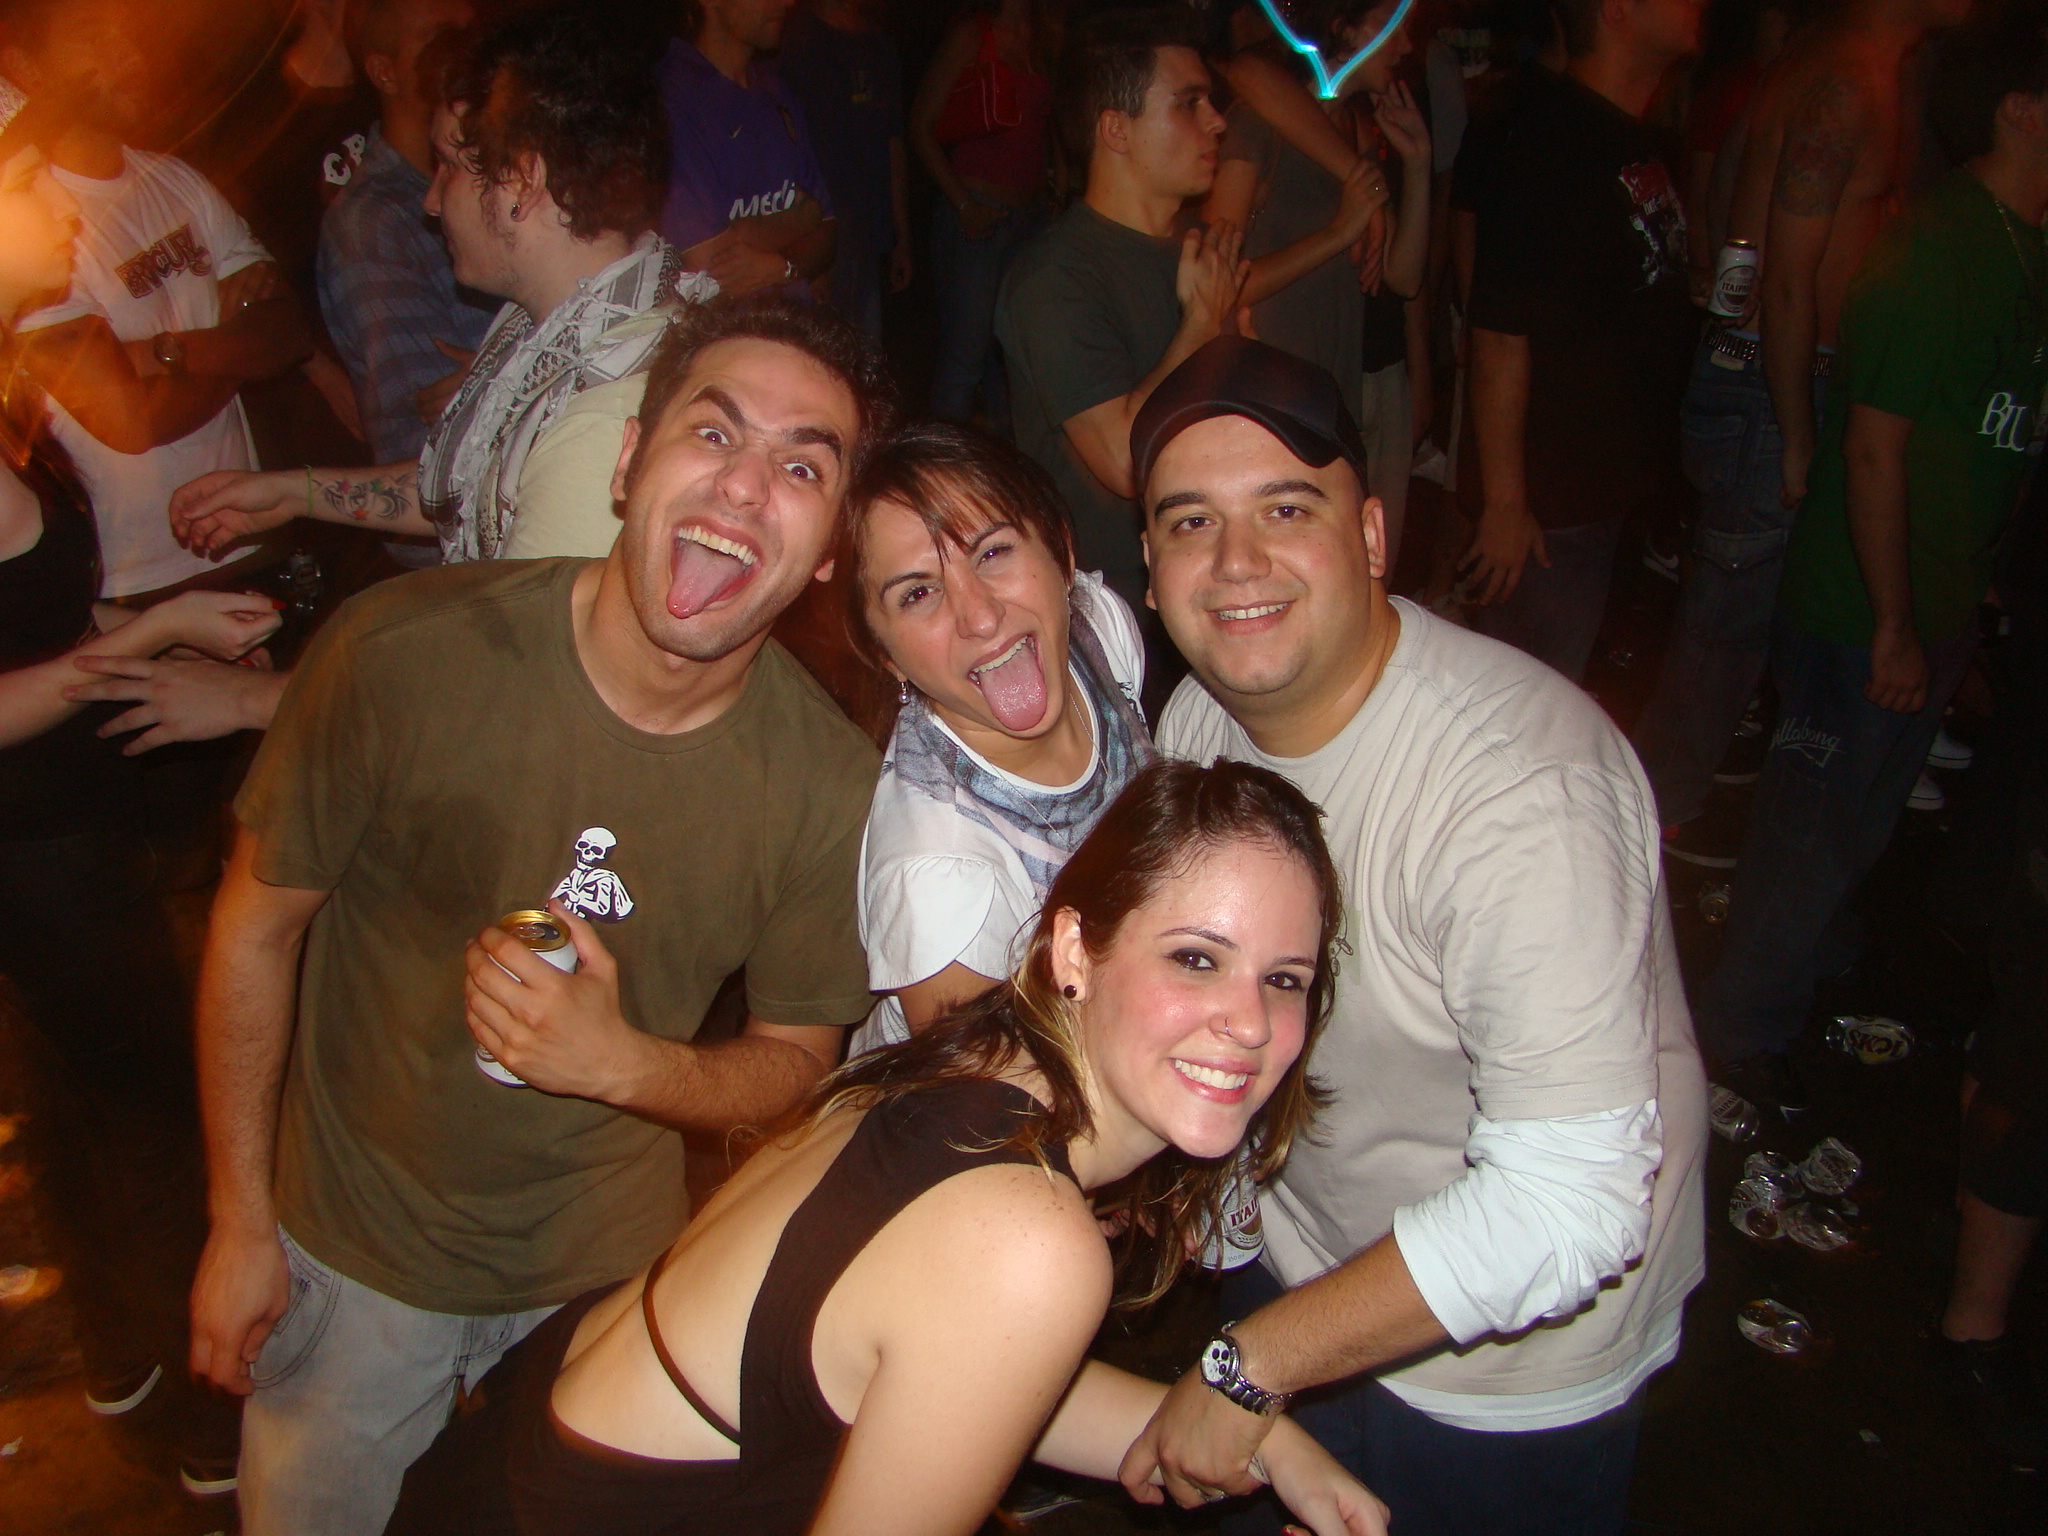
(115, 1110)
(1441, 1481)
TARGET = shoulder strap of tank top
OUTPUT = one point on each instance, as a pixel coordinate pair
(704, 1410)
(902, 1148)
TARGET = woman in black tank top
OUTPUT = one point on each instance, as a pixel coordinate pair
(873, 1323)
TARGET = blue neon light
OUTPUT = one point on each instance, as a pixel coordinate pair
(1327, 84)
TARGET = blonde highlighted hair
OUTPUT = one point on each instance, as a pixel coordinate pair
(1168, 817)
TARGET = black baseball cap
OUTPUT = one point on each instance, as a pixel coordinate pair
(1296, 401)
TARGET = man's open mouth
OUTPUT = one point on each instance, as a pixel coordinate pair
(706, 568)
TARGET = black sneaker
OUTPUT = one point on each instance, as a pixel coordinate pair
(117, 1395)
(1768, 1081)
(1998, 1383)
(1711, 840)
(206, 1477)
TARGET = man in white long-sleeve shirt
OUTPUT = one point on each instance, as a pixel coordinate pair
(1489, 1240)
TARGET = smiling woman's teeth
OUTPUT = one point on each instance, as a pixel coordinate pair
(1004, 659)
(1209, 1077)
(1250, 613)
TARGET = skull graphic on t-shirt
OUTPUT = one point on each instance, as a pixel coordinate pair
(590, 890)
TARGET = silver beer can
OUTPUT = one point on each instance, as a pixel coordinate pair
(544, 934)
(1734, 280)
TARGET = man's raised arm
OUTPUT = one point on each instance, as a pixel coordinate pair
(1210, 278)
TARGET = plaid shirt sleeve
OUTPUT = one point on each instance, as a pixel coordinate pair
(387, 294)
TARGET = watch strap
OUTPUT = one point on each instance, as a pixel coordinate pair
(1224, 1374)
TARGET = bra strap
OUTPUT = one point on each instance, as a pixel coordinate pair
(704, 1410)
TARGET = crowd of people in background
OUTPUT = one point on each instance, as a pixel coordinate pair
(1004, 639)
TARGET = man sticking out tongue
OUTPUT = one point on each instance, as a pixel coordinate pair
(708, 568)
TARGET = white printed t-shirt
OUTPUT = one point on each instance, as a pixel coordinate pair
(936, 887)
(154, 243)
(1510, 997)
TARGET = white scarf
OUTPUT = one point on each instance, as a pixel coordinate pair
(524, 374)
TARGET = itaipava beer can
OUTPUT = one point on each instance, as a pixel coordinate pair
(1734, 280)
(543, 933)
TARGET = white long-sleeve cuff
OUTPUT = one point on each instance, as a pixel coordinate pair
(1547, 1212)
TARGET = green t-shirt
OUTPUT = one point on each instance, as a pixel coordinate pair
(1944, 326)
(440, 759)
(1087, 309)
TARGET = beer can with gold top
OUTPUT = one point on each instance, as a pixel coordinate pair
(543, 933)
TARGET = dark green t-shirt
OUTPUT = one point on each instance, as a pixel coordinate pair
(440, 759)
(1087, 310)
(1943, 326)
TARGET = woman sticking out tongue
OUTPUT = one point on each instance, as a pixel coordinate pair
(1017, 728)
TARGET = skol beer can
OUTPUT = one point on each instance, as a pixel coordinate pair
(1734, 280)
(544, 934)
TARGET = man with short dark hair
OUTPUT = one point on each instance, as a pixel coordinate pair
(1944, 359)
(387, 291)
(747, 201)
(1102, 306)
(1490, 1238)
(550, 157)
(1581, 326)
(389, 1213)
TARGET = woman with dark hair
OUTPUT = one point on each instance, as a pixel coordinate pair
(873, 1322)
(1017, 679)
(116, 1116)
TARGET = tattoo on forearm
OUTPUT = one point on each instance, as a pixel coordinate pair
(1821, 141)
(378, 496)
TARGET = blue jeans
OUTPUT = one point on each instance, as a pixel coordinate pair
(1440, 1481)
(1555, 613)
(968, 274)
(1833, 785)
(1729, 591)
(351, 1387)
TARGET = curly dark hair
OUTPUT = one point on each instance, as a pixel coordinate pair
(816, 332)
(583, 97)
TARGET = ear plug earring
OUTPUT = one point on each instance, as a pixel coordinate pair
(1070, 991)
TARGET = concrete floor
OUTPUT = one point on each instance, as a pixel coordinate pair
(1860, 1435)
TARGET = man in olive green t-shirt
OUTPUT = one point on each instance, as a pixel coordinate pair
(1942, 368)
(618, 739)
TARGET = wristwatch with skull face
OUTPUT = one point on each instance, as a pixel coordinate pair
(1220, 1369)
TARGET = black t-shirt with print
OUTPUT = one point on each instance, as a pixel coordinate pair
(1581, 248)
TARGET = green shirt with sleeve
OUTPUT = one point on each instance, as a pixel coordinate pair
(1087, 310)
(440, 759)
(1945, 327)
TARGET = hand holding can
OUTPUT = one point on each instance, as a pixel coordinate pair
(549, 1014)
(539, 932)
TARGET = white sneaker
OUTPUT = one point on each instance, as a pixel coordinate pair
(1949, 753)
(1926, 796)
(1430, 464)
